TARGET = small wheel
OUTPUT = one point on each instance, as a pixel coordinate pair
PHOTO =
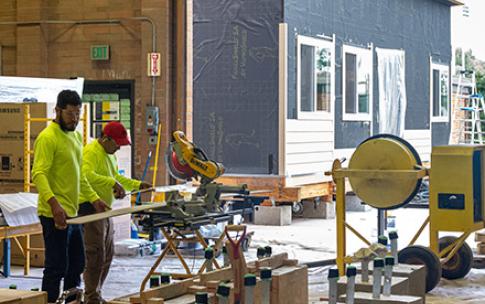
(420, 255)
(460, 264)
(297, 208)
(245, 245)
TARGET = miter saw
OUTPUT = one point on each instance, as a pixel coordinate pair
(187, 162)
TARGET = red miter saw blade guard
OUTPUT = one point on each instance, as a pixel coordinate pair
(176, 169)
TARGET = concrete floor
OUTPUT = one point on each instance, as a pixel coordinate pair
(305, 240)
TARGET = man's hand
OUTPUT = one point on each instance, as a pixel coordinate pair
(100, 206)
(119, 191)
(58, 213)
(145, 185)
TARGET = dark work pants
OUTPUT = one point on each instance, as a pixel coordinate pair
(64, 257)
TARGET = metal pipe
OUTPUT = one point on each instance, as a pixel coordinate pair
(340, 216)
(384, 242)
(365, 270)
(249, 285)
(333, 276)
(164, 279)
(350, 293)
(222, 293)
(357, 234)
(377, 278)
(389, 261)
(154, 281)
(321, 263)
(266, 277)
(155, 165)
(394, 245)
(418, 233)
(201, 298)
(209, 255)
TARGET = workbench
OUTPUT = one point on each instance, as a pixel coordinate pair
(8, 233)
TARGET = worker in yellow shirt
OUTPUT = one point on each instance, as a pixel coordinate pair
(101, 170)
(57, 175)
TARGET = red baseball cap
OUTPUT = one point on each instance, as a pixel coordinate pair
(117, 132)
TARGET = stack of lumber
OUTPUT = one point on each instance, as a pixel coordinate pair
(13, 296)
(289, 285)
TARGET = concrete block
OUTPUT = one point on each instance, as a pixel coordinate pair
(272, 215)
(416, 275)
(366, 298)
(354, 203)
(322, 210)
(400, 286)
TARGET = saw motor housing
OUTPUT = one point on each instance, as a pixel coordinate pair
(185, 161)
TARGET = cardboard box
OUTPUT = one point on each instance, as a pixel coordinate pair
(12, 136)
(36, 257)
(6, 187)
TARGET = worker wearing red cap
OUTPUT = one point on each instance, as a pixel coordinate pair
(101, 170)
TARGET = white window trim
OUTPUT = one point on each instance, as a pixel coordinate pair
(440, 67)
(305, 40)
(358, 51)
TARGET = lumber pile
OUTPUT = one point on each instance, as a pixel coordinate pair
(289, 284)
(13, 296)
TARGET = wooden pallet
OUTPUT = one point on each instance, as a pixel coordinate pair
(277, 188)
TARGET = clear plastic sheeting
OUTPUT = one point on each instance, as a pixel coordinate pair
(30, 89)
(19, 208)
(392, 91)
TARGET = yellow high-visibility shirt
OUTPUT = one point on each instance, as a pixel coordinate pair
(57, 170)
(101, 171)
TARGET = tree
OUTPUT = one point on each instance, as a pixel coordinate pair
(472, 64)
(480, 79)
(458, 58)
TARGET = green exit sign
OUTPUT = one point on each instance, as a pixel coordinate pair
(100, 52)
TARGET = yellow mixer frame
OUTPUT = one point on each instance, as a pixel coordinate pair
(386, 172)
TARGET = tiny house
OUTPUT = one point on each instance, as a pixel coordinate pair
(283, 87)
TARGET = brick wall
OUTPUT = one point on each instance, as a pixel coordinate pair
(63, 50)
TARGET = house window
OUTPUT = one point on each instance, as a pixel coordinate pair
(357, 83)
(440, 96)
(315, 76)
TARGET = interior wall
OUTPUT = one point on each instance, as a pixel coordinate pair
(63, 51)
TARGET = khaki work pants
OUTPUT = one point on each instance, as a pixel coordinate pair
(99, 246)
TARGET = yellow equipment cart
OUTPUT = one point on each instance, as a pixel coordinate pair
(385, 172)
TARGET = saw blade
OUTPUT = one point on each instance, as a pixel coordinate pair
(175, 169)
